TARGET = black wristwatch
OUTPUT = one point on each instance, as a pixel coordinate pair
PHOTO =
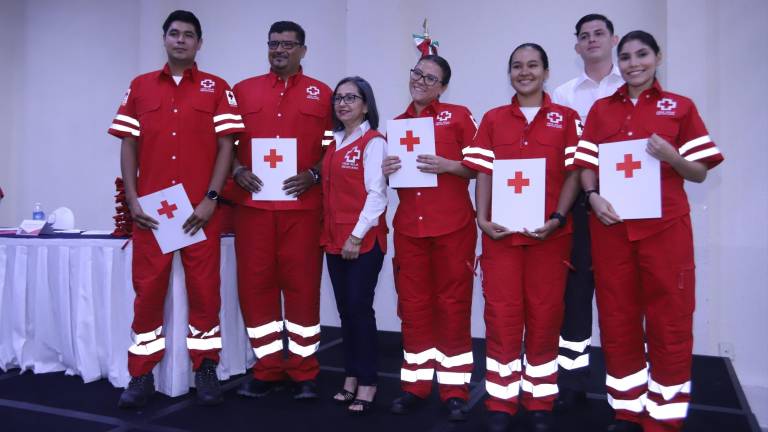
(587, 193)
(315, 174)
(212, 195)
(560, 218)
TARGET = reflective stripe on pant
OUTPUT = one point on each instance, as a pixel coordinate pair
(649, 280)
(278, 252)
(151, 276)
(523, 288)
(576, 333)
(434, 279)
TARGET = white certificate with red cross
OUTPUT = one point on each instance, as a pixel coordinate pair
(273, 161)
(408, 138)
(170, 208)
(519, 189)
(630, 179)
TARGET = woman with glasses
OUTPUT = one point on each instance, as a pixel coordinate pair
(644, 268)
(435, 239)
(524, 272)
(355, 233)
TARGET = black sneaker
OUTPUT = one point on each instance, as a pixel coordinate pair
(457, 409)
(406, 403)
(499, 421)
(624, 426)
(568, 399)
(540, 421)
(305, 390)
(256, 388)
(138, 392)
(207, 384)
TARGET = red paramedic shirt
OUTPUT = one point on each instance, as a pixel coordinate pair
(506, 134)
(430, 212)
(177, 127)
(273, 108)
(672, 117)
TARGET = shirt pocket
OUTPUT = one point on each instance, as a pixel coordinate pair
(201, 119)
(669, 129)
(147, 113)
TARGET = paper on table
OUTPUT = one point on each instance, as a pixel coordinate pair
(96, 232)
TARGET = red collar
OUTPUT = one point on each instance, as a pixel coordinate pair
(655, 90)
(275, 78)
(190, 73)
(546, 103)
(431, 109)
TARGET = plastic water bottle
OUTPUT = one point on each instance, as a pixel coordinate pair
(37, 212)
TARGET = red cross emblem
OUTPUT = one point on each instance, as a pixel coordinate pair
(555, 117)
(518, 182)
(666, 104)
(166, 209)
(313, 91)
(628, 166)
(409, 141)
(273, 158)
(444, 116)
(207, 83)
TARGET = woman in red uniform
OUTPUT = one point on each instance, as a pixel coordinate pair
(354, 232)
(644, 269)
(435, 239)
(524, 272)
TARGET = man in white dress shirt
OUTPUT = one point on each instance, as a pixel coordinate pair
(595, 41)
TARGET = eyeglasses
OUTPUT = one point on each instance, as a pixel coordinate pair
(429, 80)
(287, 45)
(348, 99)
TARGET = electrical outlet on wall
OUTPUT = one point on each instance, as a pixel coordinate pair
(727, 350)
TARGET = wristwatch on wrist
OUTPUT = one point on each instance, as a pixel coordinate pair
(560, 219)
(212, 195)
(315, 174)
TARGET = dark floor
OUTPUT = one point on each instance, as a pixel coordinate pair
(55, 402)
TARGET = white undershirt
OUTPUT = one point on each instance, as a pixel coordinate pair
(530, 112)
(177, 79)
(375, 183)
(634, 101)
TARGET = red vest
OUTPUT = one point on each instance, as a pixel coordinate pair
(344, 196)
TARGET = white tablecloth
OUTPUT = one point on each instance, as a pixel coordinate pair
(67, 305)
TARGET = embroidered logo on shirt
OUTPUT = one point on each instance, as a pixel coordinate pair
(207, 85)
(125, 98)
(443, 118)
(351, 158)
(666, 107)
(555, 120)
(231, 98)
(579, 128)
(313, 93)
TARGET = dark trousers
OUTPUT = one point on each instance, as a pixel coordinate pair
(354, 284)
(577, 319)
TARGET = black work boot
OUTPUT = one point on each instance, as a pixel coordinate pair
(405, 403)
(207, 384)
(457, 409)
(138, 392)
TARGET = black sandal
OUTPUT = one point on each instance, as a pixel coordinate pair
(346, 397)
(367, 406)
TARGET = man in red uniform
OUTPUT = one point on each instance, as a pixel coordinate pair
(278, 242)
(176, 127)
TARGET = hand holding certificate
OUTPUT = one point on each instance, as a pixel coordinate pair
(630, 179)
(171, 208)
(407, 139)
(273, 160)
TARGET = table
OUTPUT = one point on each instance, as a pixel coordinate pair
(66, 304)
